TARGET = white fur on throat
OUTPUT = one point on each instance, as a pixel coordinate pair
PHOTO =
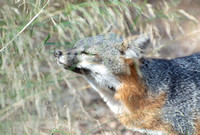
(108, 96)
(101, 75)
(101, 80)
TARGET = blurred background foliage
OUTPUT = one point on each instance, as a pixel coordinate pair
(38, 97)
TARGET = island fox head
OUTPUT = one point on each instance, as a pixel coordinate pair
(100, 58)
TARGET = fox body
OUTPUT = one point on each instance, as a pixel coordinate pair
(154, 96)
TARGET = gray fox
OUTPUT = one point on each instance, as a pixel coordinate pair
(153, 96)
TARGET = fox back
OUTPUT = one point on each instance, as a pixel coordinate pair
(153, 96)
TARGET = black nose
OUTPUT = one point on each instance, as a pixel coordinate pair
(57, 53)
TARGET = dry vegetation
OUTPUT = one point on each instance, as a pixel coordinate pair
(37, 96)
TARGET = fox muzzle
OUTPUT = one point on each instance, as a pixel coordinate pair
(68, 59)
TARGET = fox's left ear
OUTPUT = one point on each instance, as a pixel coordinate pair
(133, 47)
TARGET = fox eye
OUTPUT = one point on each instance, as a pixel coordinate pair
(84, 52)
(87, 53)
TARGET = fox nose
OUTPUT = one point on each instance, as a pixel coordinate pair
(57, 53)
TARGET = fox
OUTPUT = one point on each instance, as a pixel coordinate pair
(150, 95)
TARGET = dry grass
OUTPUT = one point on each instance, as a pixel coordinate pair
(37, 96)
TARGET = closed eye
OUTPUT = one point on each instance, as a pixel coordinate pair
(83, 52)
(87, 53)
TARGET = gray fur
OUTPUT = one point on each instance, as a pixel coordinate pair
(100, 58)
(107, 47)
(180, 78)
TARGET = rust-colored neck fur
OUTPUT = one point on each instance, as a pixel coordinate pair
(143, 111)
(197, 125)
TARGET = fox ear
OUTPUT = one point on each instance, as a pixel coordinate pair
(133, 47)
